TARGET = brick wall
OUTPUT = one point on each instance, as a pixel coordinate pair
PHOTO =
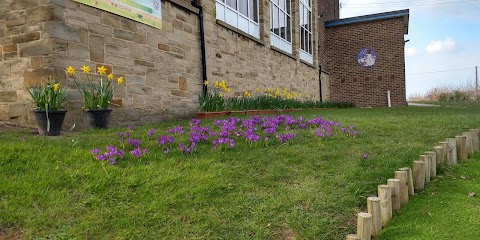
(162, 67)
(367, 86)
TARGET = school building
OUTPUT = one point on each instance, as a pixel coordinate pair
(166, 49)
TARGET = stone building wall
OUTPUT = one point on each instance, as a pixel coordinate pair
(24, 43)
(161, 67)
(367, 87)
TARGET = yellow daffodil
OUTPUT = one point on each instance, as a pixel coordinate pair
(120, 80)
(101, 70)
(246, 94)
(70, 70)
(264, 90)
(55, 87)
(205, 82)
(85, 69)
(257, 89)
(110, 77)
(228, 89)
(221, 95)
(217, 84)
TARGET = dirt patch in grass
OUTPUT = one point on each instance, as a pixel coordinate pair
(12, 234)
(284, 232)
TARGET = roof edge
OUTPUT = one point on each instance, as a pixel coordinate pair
(372, 17)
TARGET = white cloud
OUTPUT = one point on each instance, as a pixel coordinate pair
(447, 45)
(410, 51)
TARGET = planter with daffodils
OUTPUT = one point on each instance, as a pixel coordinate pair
(49, 114)
(96, 95)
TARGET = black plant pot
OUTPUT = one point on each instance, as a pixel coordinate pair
(55, 117)
(97, 118)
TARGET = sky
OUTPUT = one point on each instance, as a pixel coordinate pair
(444, 40)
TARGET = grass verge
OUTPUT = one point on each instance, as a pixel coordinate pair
(306, 189)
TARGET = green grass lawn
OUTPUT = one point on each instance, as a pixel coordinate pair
(51, 187)
(444, 210)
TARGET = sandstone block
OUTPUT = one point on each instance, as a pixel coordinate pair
(129, 25)
(27, 37)
(35, 77)
(123, 70)
(143, 63)
(110, 49)
(139, 38)
(15, 20)
(182, 84)
(16, 110)
(100, 29)
(138, 89)
(60, 30)
(37, 62)
(36, 48)
(5, 69)
(18, 5)
(8, 96)
(111, 20)
(40, 13)
(78, 50)
(4, 112)
(122, 34)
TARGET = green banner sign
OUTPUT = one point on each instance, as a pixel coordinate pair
(148, 12)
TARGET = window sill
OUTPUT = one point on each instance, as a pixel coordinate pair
(185, 5)
(307, 63)
(240, 32)
(282, 52)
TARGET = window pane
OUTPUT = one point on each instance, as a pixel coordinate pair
(282, 4)
(271, 17)
(243, 7)
(288, 7)
(309, 21)
(301, 15)
(289, 29)
(276, 21)
(232, 4)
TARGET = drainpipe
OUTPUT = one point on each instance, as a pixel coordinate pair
(320, 81)
(202, 45)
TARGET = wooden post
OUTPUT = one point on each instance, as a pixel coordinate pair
(352, 237)
(432, 158)
(373, 206)
(364, 226)
(469, 136)
(394, 185)
(403, 177)
(446, 158)
(476, 139)
(462, 153)
(452, 149)
(385, 195)
(411, 190)
(427, 161)
(419, 175)
(440, 156)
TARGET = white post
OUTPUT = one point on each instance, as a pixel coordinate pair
(388, 99)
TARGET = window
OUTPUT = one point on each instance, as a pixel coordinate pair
(280, 25)
(306, 36)
(242, 14)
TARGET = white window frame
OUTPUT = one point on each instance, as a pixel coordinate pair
(276, 39)
(306, 33)
(235, 18)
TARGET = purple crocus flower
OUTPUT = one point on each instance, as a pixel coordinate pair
(151, 132)
(365, 156)
(95, 151)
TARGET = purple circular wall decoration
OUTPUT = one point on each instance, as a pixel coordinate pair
(366, 57)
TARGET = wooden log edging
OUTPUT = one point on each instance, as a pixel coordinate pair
(396, 193)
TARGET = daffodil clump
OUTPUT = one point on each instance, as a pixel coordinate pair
(216, 99)
(49, 95)
(95, 94)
